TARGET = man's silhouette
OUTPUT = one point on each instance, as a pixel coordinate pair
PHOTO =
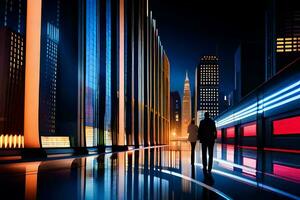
(207, 133)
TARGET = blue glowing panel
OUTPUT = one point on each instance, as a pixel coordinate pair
(107, 117)
(92, 82)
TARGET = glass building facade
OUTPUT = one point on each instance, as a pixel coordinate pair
(49, 69)
(107, 118)
(103, 76)
(92, 75)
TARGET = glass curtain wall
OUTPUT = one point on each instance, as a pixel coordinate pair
(92, 75)
(58, 109)
(107, 116)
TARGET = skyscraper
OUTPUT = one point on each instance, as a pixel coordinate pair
(186, 107)
(282, 35)
(207, 87)
(12, 67)
(12, 71)
(49, 66)
(175, 114)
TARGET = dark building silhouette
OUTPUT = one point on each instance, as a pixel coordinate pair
(49, 66)
(282, 35)
(248, 68)
(175, 114)
(232, 98)
(67, 73)
(223, 102)
(13, 15)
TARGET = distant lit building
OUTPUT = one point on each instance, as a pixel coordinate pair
(282, 35)
(175, 114)
(186, 107)
(207, 87)
(12, 69)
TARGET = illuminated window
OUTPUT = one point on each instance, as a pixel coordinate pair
(285, 44)
(230, 132)
(287, 126)
(249, 130)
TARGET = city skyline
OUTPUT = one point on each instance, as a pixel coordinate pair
(204, 21)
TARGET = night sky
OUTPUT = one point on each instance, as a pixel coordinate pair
(192, 28)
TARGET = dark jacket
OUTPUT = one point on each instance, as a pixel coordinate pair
(207, 132)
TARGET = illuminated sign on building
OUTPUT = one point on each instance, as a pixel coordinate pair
(53, 141)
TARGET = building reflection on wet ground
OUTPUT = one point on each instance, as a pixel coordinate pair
(157, 173)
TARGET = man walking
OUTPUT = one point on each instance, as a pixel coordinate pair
(207, 133)
(193, 131)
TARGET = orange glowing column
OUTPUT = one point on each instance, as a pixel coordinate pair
(121, 138)
(32, 74)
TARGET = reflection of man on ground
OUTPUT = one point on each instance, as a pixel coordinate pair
(207, 133)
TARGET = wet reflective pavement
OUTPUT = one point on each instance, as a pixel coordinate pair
(157, 173)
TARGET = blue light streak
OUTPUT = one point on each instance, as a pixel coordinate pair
(267, 103)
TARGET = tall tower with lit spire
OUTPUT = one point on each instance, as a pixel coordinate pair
(186, 107)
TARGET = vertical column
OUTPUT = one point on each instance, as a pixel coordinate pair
(196, 97)
(32, 74)
(147, 49)
(121, 135)
(80, 142)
